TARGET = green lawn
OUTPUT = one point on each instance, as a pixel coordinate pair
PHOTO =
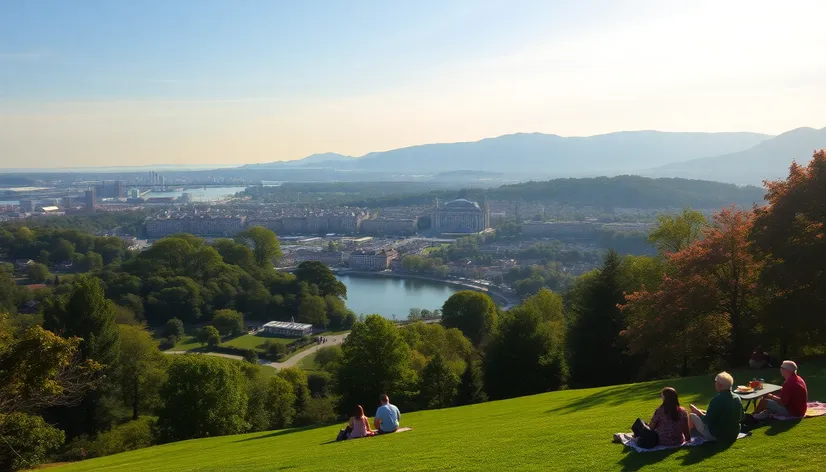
(251, 341)
(186, 343)
(568, 430)
(309, 363)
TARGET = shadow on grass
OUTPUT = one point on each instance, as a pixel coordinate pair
(778, 427)
(286, 431)
(611, 396)
(698, 454)
(634, 460)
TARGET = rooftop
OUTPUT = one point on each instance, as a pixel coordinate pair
(287, 325)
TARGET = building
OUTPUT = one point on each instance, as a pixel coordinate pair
(112, 189)
(558, 229)
(372, 260)
(66, 202)
(26, 206)
(288, 328)
(388, 226)
(134, 193)
(89, 200)
(201, 225)
(460, 216)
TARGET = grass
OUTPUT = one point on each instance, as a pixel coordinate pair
(568, 431)
(252, 341)
(309, 363)
(186, 343)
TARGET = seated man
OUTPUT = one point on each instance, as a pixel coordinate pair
(722, 420)
(793, 396)
(387, 416)
(759, 358)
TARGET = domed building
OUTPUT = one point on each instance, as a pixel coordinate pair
(460, 216)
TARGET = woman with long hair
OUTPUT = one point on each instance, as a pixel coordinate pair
(670, 420)
(359, 424)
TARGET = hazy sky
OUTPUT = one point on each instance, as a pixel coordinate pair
(110, 82)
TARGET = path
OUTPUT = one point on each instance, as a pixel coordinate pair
(291, 362)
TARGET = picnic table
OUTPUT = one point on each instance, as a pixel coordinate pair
(757, 394)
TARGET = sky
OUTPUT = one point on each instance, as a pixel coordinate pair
(112, 82)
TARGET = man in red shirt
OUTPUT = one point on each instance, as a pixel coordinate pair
(792, 399)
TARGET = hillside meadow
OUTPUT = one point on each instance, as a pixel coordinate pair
(566, 430)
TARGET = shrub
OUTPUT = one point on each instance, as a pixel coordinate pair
(125, 437)
(27, 440)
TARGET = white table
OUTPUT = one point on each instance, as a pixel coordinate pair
(757, 394)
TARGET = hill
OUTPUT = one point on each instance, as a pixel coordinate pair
(567, 430)
(549, 154)
(315, 159)
(768, 160)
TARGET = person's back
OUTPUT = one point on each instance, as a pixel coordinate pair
(388, 416)
(671, 432)
(359, 427)
(794, 396)
(724, 415)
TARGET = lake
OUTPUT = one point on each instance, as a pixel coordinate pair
(390, 296)
(209, 194)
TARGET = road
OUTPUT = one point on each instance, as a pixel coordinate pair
(291, 362)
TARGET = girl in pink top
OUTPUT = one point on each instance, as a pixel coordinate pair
(360, 425)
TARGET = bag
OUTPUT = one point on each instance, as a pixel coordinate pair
(647, 438)
(749, 422)
(344, 433)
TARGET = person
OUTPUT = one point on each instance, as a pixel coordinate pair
(725, 411)
(387, 416)
(793, 396)
(359, 424)
(670, 420)
(759, 358)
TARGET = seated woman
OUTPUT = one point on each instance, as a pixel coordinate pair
(669, 425)
(670, 420)
(360, 426)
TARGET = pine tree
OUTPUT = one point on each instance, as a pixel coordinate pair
(471, 388)
(438, 387)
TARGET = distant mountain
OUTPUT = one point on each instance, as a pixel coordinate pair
(540, 154)
(769, 160)
(315, 159)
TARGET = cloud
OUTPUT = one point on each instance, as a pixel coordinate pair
(23, 56)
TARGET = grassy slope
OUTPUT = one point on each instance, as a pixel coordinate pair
(569, 430)
(251, 341)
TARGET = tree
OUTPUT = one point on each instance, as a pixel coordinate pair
(204, 396)
(313, 310)
(376, 360)
(527, 355)
(280, 403)
(208, 335)
(318, 274)
(266, 248)
(92, 261)
(141, 369)
(328, 355)
(174, 327)
(27, 440)
(228, 322)
(298, 380)
(234, 253)
(38, 273)
(473, 313)
(596, 353)
(251, 356)
(675, 232)
(471, 387)
(62, 250)
(708, 303)
(788, 238)
(439, 384)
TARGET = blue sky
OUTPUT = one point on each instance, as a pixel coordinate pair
(183, 81)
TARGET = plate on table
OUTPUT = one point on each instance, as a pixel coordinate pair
(743, 389)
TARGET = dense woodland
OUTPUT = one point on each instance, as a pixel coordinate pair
(87, 379)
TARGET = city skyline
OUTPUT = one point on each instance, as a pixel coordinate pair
(185, 83)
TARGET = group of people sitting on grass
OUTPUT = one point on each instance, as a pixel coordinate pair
(672, 425)
(386, 421)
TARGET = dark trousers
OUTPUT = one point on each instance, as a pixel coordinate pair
(646, 437)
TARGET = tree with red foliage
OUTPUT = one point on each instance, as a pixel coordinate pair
(706, 305)
(788, 236)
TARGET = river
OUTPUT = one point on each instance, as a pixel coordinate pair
(201, 194)
(389, 296)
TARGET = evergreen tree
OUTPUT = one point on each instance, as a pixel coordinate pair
(438, 387)
(596, 350)
(471, 389)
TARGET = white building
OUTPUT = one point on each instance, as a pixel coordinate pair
(287, 328)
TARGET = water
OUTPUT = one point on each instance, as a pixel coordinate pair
(209, 194)
(389, 296)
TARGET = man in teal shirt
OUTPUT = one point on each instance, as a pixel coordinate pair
(387, 416)
(722, 420)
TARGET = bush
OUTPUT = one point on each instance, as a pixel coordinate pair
(168, 343)
(274, 348)
(27, 440)
(320, 383)
(125, 437)
(316, 411)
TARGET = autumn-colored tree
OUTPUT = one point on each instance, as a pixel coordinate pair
(788, 235)
(706, 305)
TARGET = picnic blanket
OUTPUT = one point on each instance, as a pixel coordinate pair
(813, 409)
(628, 439)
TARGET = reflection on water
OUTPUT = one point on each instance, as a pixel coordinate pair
(393, 296)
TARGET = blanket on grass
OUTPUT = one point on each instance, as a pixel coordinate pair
(628, 439)
(813, 410)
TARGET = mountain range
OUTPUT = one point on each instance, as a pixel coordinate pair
(742, 158)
